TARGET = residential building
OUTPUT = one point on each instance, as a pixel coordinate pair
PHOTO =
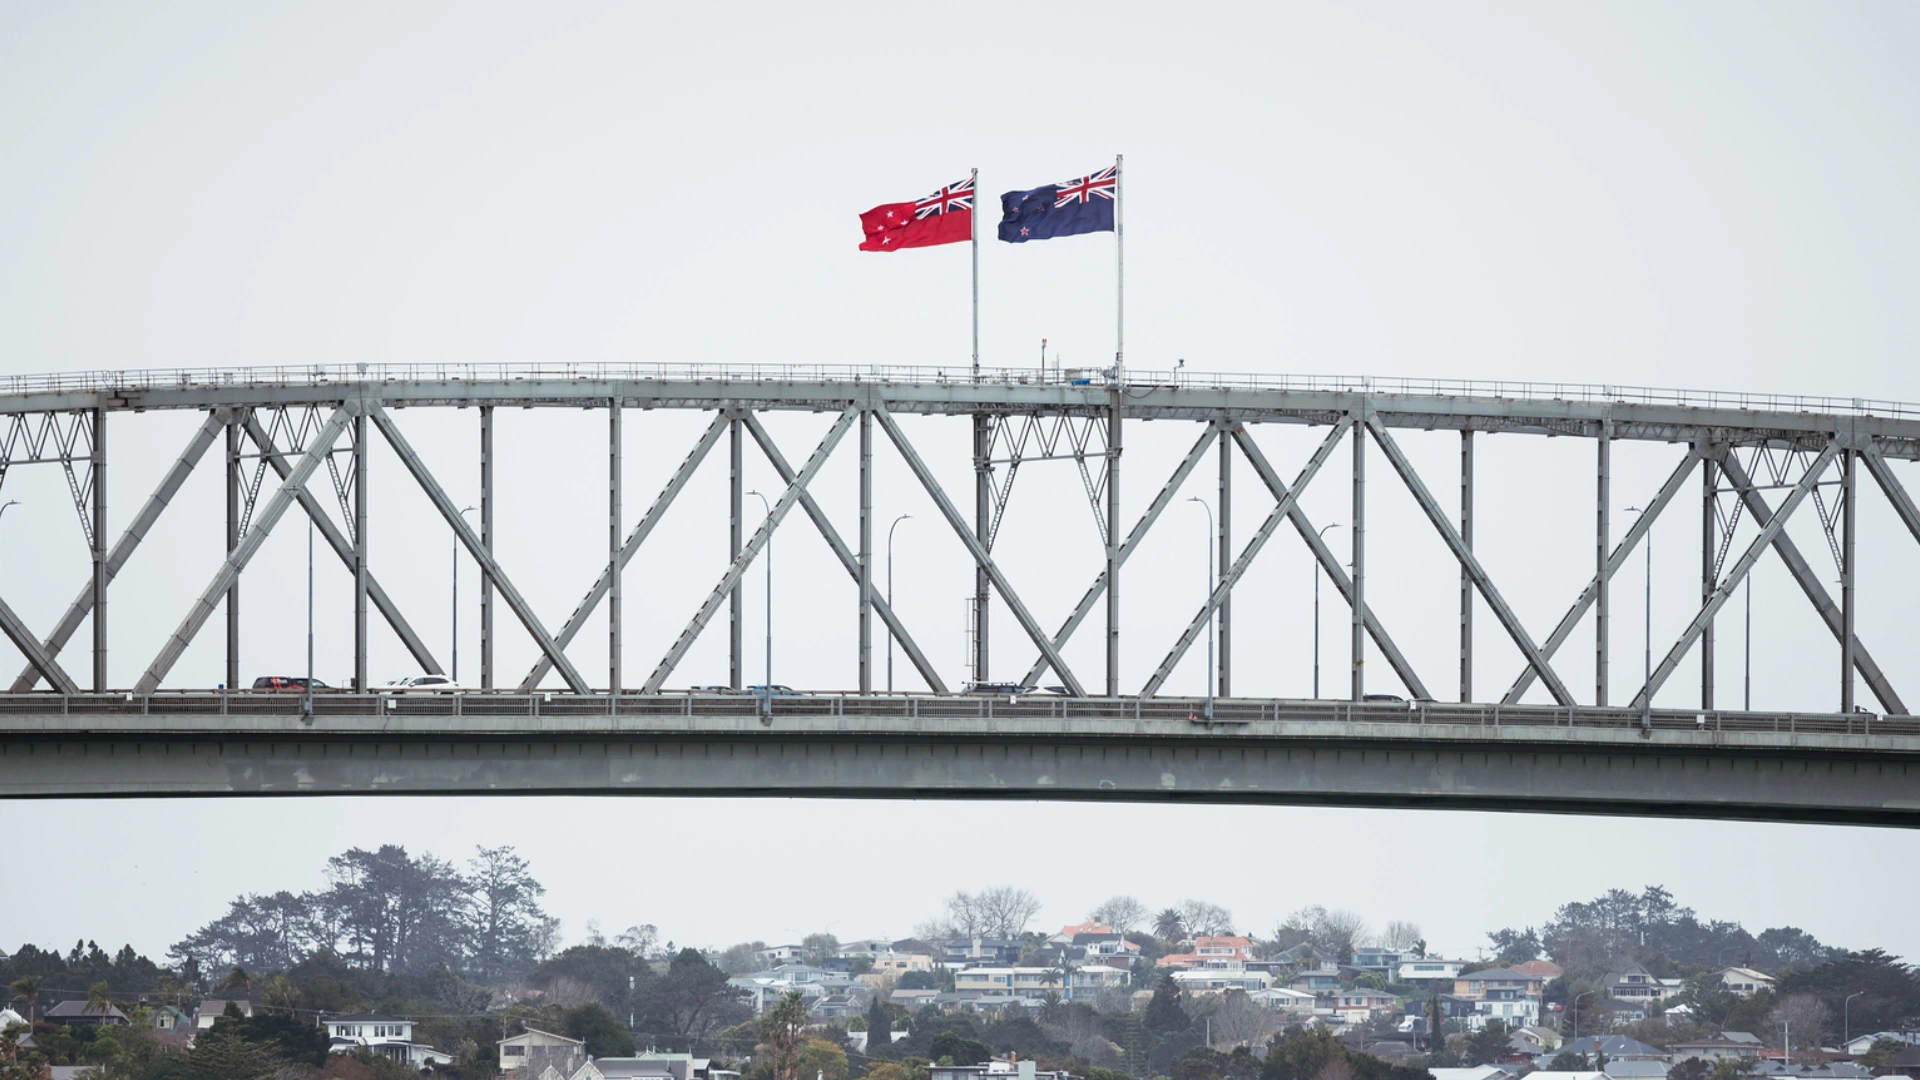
(1318, 980)
(1505, 994)
(1068, 933)
(775, 955)
(539, 1049)
(1858, 1045)
(8, 1018)
(211, 1009)
(1635, 1069)
(982, 951)
(388, 1036)
(1546, 968)
(1616, 1047)
(1220, 952)
(1633, 984)
(75, 1013)
(1087, 982)
(1027, 982)
(1216, 981)
(898, 964)
(913, 1000)
(1476, 1072)
(647, 1066)
(997, 1069)
(763, 988)
(1534, 1040)
(1380, 959)
(1361, 1004)
(1097, 946)
(1745, 981)
(1425, 969)
(1284, 1000)
(1726, 1046)
(164, 1018)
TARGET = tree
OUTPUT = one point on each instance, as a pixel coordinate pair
(956, 1048)
(641, 940)
(1168, 926)
(224, 1055)
(605, 1035)
(1488, 1045)
(1201, 918)
(509, 930)
(1568, 1061)
(99, 998)
(1400, 934)
(1337, 932)
(879, 1027)
(818, 1058)
(1514, 946)
(815, 949)
(28, 988)
(783, 1029)
(1802, 1019)
(1881, 1053)
(695, 998)
(1241, 1021)
(1164, 1013)
(397, 913)
(1123, 913)
(1690, 1069)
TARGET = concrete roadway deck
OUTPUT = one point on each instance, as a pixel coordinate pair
(1814, 768)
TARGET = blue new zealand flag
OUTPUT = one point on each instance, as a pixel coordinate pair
(1077, 206)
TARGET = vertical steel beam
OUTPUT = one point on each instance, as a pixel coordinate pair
(866, 551)
(736, 672)
(1358, 641)
(486, 541)
(614, 575)
(982, 531)
(234, 481)
(1849, 572)
(99, 550)
(360, 551)
(1466, 581)
(1225, 614)
(1709, 544)
(1602, 540)
(1113, 543)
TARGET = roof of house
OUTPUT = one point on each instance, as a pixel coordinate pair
(367, 1018)
(77, 1007)
(1614, 1046)
(548, 1034)
(1505, 974)
(1635, 1067)
(1747, 973)
(1541, 967)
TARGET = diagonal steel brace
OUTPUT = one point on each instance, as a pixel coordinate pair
(1615, 561)
(632, 545)
(777, 513)
(1469, 562)
(237, 560)
(471, 541)
(1331, 564)
(981, 557)
(38, 660)
(1809, 580)
(136, 531)
(846, 556)
(1099, 586)
(1227, 581)
(1769, 532)
(343, 548)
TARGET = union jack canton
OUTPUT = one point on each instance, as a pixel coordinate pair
(1086, 188)
(956, 196)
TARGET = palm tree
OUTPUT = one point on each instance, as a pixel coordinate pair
(28, 987)
(281, 992)
(1169, 926)
(237, 979)
(99, 998)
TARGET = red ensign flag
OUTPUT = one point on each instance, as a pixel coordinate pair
(944, 217)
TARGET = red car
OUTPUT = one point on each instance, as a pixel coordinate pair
(287, 684)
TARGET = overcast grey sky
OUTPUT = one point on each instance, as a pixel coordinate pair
(1705, 195)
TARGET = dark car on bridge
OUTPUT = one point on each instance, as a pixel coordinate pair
(287, 684)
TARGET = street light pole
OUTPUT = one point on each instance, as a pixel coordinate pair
(895, 525)
(1747, 703)
(456, 601)
(1576, 1013)
(1209, 672)
(1846, 1027)
(1316, 614)
(766, 552)
(306, 701)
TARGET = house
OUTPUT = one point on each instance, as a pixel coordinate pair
(1319, 980)
(982, 951)
(75, 1013)
(1616, 1047)
(1636, 1069)
(913, 1000)
(1221, 952)
(647, 1066)
(1032, 983)
(1504, 994)
(763, 988)
(898, 964)
(1010, 1069)
(1858, 1045)
(1534, 1040)
(1068, 933)
(1477, 1072)
(1097, 946)
(1380, 959)
(387, 1036)
(211, 1009)
(8, 1018)
(1745, 981)
(1545, 968)
(1359, 1005)
(165, 1018)
(1726, 1046)
(539, 1049)
(775, 955)
(1284, 1000)
(1427, 968)
(1089, 981)
(1634, 985)
(1207, 981)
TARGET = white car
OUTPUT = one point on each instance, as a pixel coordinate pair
(422, 684)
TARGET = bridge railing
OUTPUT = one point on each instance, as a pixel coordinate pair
(161, 707)
(348, 375)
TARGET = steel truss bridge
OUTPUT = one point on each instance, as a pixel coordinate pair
(299, 438)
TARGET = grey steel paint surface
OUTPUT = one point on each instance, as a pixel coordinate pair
(1738, 766)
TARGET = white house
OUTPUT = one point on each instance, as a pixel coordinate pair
(532, 1044)
(388, 1036)
(1359, 1005)
(1213, 981)
(1745, 981)
(1424, 968)
(212, 1009)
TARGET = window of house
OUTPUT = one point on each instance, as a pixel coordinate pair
(516, 1051)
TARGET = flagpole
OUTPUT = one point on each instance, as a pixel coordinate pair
(1120, 274)
(974, 224)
